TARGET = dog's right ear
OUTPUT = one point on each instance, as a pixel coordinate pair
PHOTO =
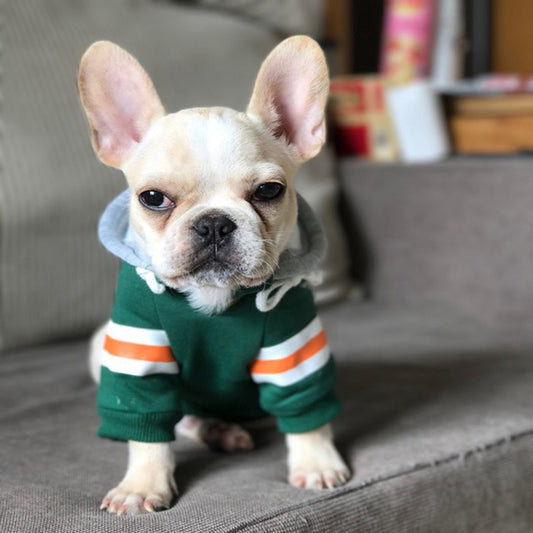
(119, 99)
(290, 95)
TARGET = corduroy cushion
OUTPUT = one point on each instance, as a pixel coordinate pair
(56, 280)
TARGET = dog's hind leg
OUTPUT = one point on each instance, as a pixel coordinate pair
(215, 434)
(96, 347)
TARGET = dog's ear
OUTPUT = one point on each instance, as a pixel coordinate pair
(290, 95)
(119, 99)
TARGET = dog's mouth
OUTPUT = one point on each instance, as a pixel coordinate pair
(213, 259)
(209, 268)
(220, 270)
(213, 270)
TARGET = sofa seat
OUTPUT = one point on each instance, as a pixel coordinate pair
(436, 423)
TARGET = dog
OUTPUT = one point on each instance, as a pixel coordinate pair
(213, 323)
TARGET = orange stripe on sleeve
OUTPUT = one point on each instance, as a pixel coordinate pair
(140, 352)
(276, 366)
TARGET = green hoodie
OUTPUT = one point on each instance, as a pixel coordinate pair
(163, 359)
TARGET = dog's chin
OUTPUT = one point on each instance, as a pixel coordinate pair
(211, 289)
(220, 275)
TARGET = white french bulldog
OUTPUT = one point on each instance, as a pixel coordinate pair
(205, 226)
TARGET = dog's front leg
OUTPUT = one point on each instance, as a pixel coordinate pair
(314, 462)
(149, 483)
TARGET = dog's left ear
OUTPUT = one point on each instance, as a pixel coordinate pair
(290, 95)
(119, 99)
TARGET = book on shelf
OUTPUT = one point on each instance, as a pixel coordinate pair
(491, 105)
(407, 39)
(506, 134)
(491, 122)
(359, 120)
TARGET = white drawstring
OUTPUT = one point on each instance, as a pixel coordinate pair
(151, 280)
(267, 299)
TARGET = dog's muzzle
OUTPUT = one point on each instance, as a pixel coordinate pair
(213, 239)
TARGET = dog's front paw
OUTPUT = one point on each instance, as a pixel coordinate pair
(149, 483)
(314, 462)
(319, 475)
(121, 500)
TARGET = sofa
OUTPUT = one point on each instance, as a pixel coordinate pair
(427, 300)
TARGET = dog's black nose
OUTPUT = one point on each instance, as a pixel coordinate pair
(214, 228)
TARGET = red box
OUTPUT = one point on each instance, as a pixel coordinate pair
(359, 119)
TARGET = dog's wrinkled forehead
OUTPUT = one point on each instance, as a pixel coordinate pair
(207, 146)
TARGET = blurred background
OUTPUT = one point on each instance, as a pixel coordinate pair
(413, 82)
(474, 55)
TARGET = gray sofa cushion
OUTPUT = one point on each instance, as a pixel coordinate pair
(458, 232)
(286, 16)
(440, 436)
(56, 281)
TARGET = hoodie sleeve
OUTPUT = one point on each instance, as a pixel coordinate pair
(138, 398)
(294, 369)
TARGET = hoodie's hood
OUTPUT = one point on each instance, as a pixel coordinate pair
(294, 265)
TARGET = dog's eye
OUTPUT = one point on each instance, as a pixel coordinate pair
(155, 200)
(269, 191)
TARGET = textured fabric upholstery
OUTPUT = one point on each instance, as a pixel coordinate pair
(285, 16)
(440, 435)
(457, 233)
